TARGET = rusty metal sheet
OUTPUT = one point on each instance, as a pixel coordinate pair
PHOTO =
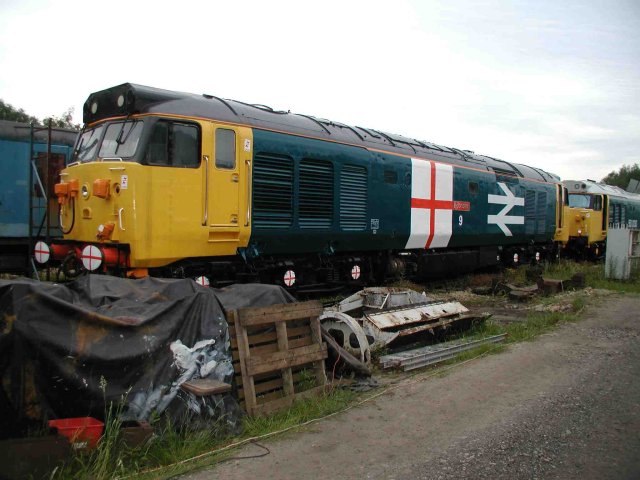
(415, 314)
(430, 354)
(379, 298)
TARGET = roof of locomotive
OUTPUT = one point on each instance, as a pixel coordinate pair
(19, 131)
(129, 99)
(590, 186)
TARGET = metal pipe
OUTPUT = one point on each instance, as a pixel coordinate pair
(46, 183)
(205, 206)
(249, 183)
(30, 192)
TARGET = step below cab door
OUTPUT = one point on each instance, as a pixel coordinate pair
(227, 154)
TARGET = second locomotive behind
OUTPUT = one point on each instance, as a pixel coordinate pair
(593, 208)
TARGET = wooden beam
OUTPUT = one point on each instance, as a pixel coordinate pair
(247, 380)
(283, 346)
(316, 335)
(291, 358)
(278, 313)
(285, 402)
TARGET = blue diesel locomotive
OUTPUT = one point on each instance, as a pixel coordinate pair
(175, 184)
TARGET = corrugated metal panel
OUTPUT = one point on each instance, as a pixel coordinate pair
(612, 213)
(353, 198)
(415, 314)
(530, 212)
(272, 191)
(315, 208)
(542, 211)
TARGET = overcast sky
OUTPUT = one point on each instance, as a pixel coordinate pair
(550, 83)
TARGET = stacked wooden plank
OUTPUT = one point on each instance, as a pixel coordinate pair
(278, 355)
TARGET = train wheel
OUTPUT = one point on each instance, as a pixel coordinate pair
(69, 266)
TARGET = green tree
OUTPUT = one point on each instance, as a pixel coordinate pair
(9, 112)
(63, 121)
(621, 177)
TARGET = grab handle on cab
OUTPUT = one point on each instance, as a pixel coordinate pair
(248, 220)
(120, 219)
(205, 207)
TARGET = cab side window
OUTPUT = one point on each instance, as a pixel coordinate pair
(225, 148)
(174, 144)
(597, 203)
(157, 151)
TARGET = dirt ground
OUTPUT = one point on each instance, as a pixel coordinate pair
(564, 406)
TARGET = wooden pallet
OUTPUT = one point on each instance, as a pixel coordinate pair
(278, 355)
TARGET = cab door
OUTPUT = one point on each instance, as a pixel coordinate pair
(562, 214)
(605, 217)
(226, 187)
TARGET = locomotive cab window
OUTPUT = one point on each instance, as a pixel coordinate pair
(121, 140)
(225, 148)
(579, 200)
(87, 144)
(597, 203)
(174, 144)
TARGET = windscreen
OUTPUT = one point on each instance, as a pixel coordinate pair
(87, 145)
(579, 200)
(121, 140)
(118, 140)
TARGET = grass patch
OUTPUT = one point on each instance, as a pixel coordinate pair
(536, 324)
(532, 326)
(564, 269)
(170, 444)
(491, 349)
(299, 413)
(516, 276)
(578, 304)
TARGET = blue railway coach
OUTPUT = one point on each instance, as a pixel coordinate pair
(24, 206)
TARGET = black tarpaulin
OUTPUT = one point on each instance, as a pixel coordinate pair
(100, 338)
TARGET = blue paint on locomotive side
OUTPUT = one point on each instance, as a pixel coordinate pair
(486, 209)
(528, 214)
(378, 221)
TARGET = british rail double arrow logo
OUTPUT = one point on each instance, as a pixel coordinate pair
(502, 219)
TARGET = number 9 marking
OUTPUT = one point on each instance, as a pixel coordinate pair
(460, 220)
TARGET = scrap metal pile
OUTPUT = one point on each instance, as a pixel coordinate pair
(380, 317)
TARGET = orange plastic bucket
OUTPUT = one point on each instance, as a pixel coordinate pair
(83, 432)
